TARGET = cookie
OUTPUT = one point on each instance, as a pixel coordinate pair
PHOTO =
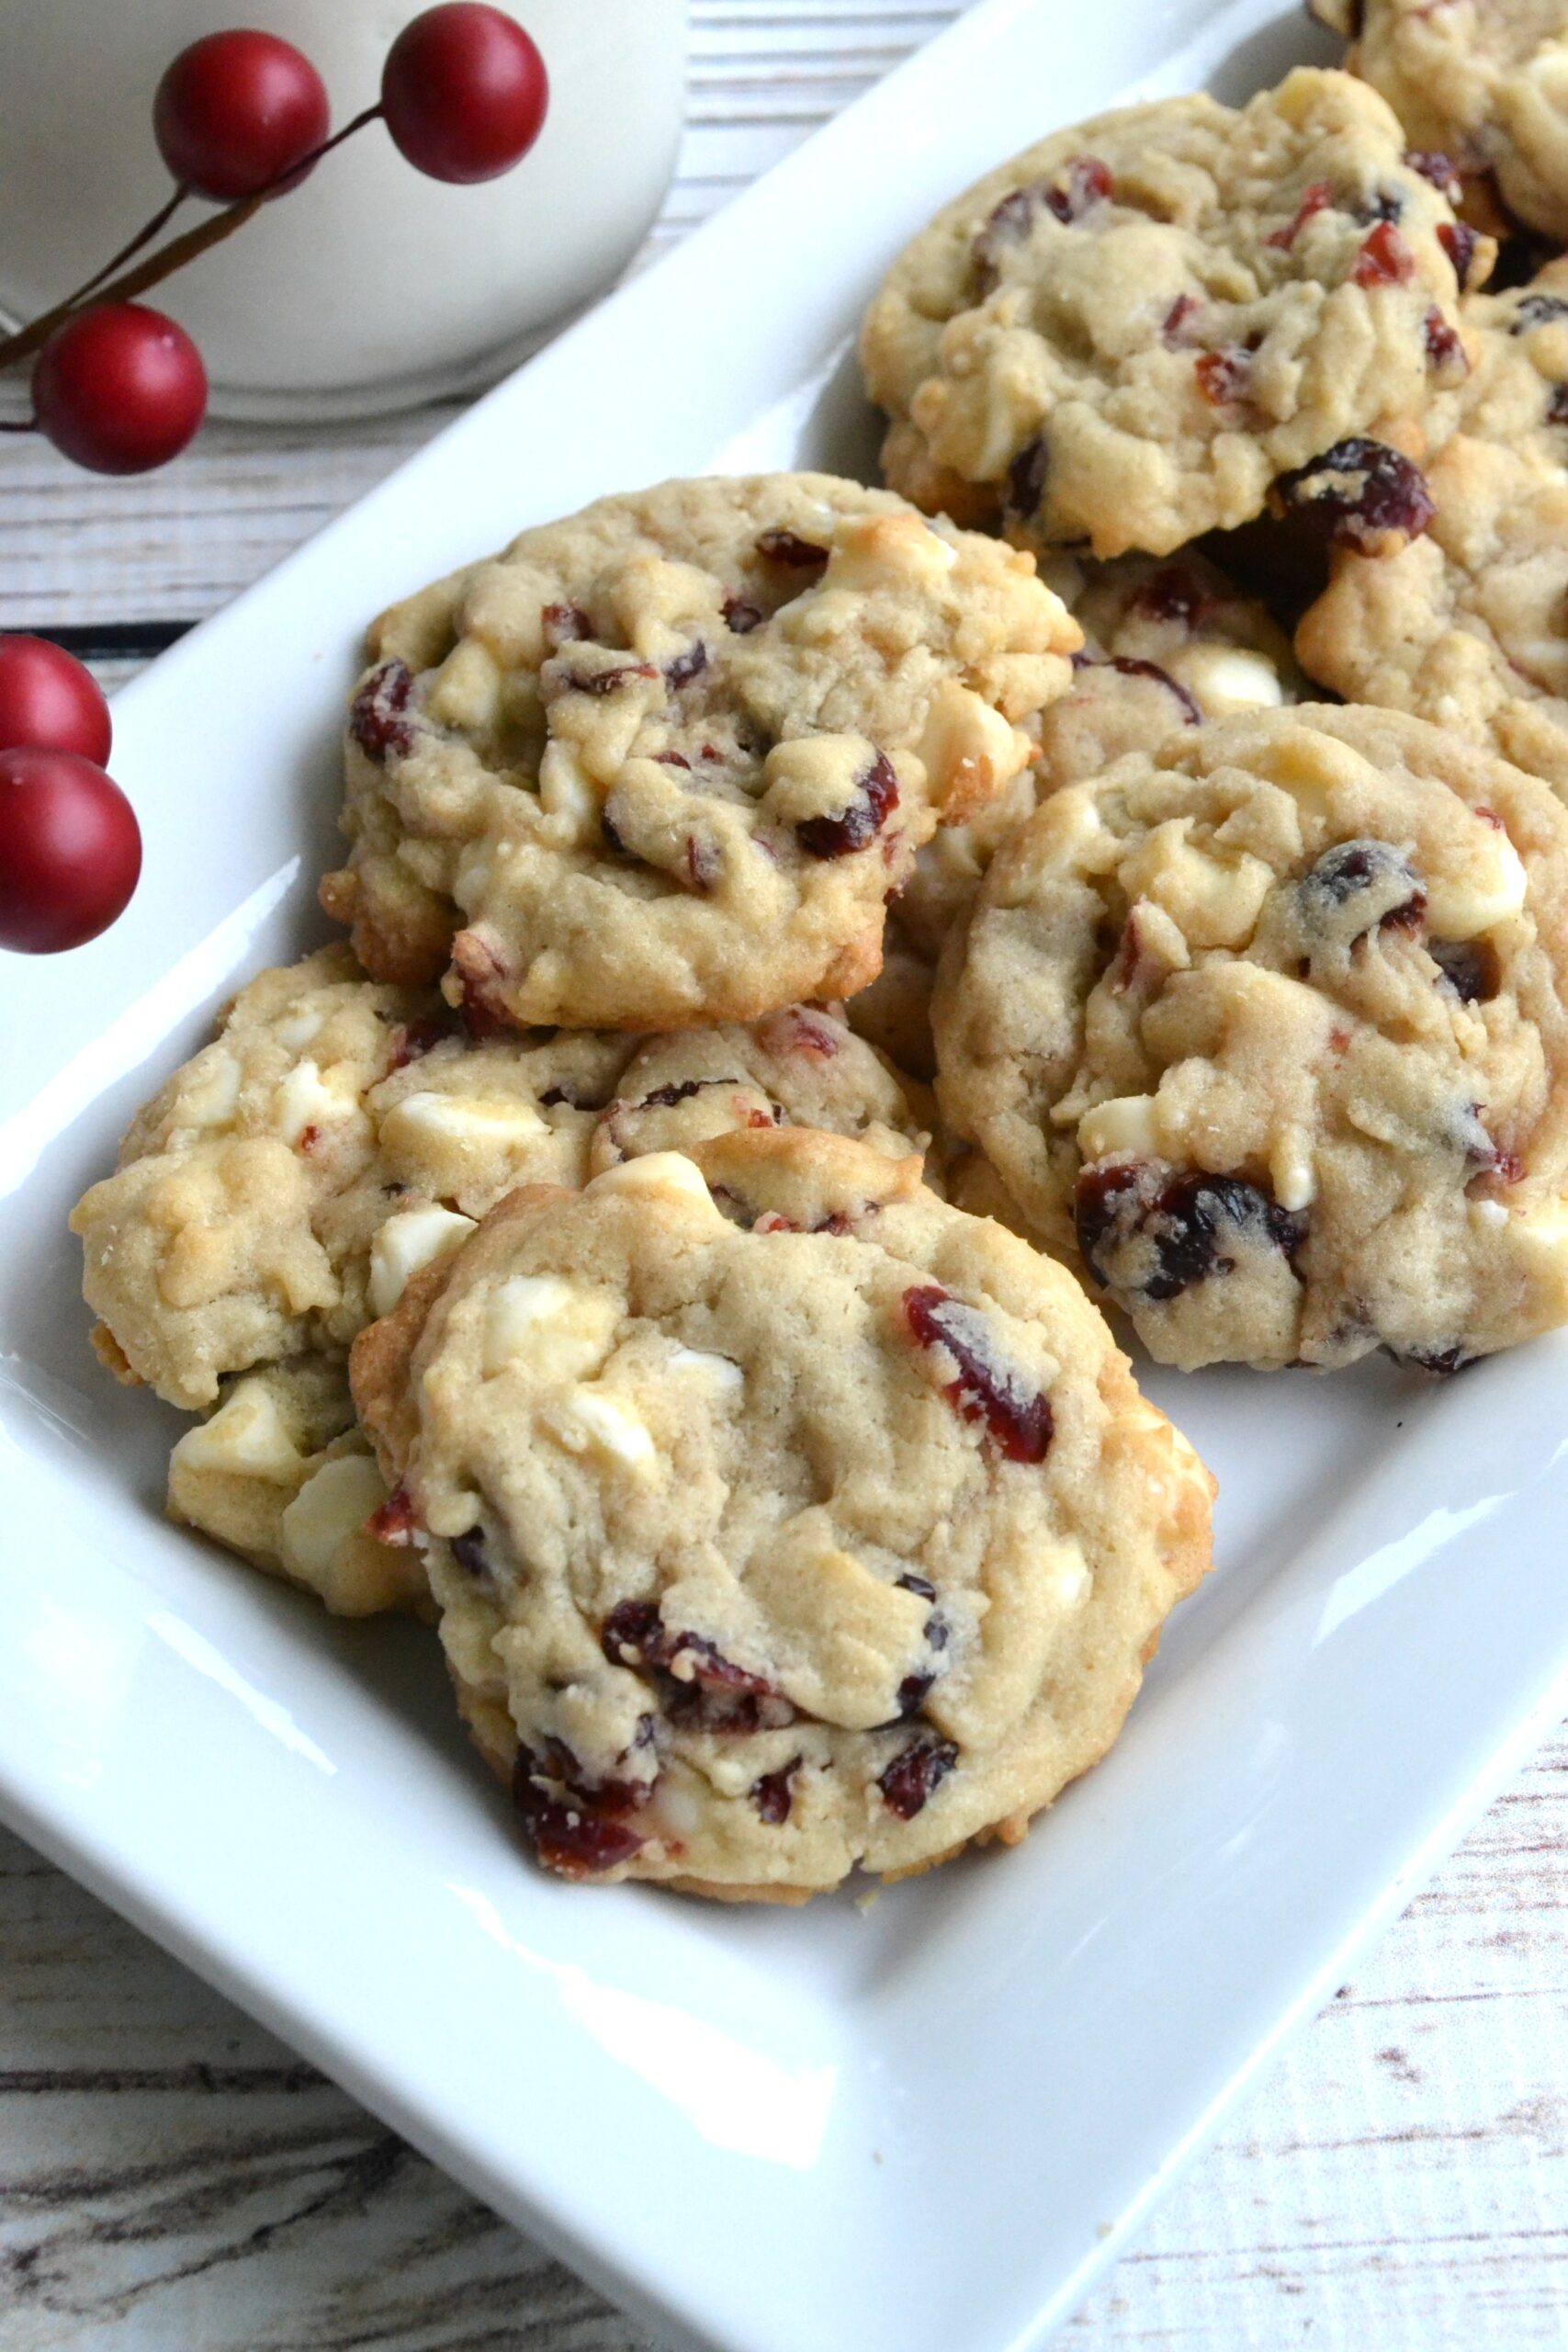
(1485, 82)
(1467, 625)
(661, 765)
(895, 1013)
(281, 1473)
(1127, 333)
(1269, 1029)
(1165, 646)
(285, 1183)
(273, 1195)
(782, 1518)
(801, 1067)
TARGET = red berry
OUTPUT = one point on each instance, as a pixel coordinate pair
(120, 389)
(465, 91)
(48, 701)
(70, 851)
(236, 112)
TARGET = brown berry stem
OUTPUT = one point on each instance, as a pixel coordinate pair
(145, 236)
(174, 256)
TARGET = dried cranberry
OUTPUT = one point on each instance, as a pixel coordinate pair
(1174, 594)
(1382, 205)
(606, 681)
(790, 549)
(686, 666)
(611, 838)
(921, 1587)
(481, 976)
(411, 1040)
(1224, 377)
(671, 760)
(1442, 1362)
(876, 797)
(396, 1520)
(1472, 967)
(1350, 871)
(914, 1774)
(1182, 312)
(565, 625)
(795, 1031)
(468, 1551)
(1192, 1221)
(1085, 181)
(1459, 241)
(1535, 310)
(1008, 223)
(704, 863)
(772, 1795)
(377, 719)
(664, 1098)
(1026, 479)
(1357, 494)
(1318, 198)
(1443, 344)
(1439, 169)
(1557, 405)
(697, 1683)
(310, 1138)
(574, 1830)
(987, 1389)
(741, 616)
(1129, 666)
(1384, 259)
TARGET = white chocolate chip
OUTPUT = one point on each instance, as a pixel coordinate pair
(303, 1100)
(295, 1031)
(872, 551)
(406, 1244)
(554, 1329)
(702, 1361)
(426, 1119)
(1491, 1213)
(1072, 1579)
(332, 1506)
(213, 1100)
(969, 750)
(566, 792)
(1128, 1123)
(1227, 677)
(592, 1418)
(246, 1436)
(1460, 910)
(1291, 1170)
(656, 1171)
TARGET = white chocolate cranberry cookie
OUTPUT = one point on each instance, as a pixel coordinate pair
(1124, 336)
(1271, 1027)
(662, 763)
(1484, 81)
(339, 1134)
(281, 1473)
(1165, 646)
(1467, 625)
(782, 1518)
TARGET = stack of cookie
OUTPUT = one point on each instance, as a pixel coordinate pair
(580, 1256)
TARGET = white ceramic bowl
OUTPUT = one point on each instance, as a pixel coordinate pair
(370, 287)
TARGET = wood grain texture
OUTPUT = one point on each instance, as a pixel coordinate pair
(172, 2180)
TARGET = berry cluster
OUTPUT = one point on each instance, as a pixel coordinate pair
(242, 117)
(69, 846)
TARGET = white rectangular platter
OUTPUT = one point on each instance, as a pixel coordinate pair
(919, 2127)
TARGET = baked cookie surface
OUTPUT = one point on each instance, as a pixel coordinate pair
(782, 1518)
(1485, 82)
(1124, 336)
(1269, 1030)
(661, 764)
(1467, 625)
(339, 1134)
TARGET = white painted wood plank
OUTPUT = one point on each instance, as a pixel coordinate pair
(172, 2179)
